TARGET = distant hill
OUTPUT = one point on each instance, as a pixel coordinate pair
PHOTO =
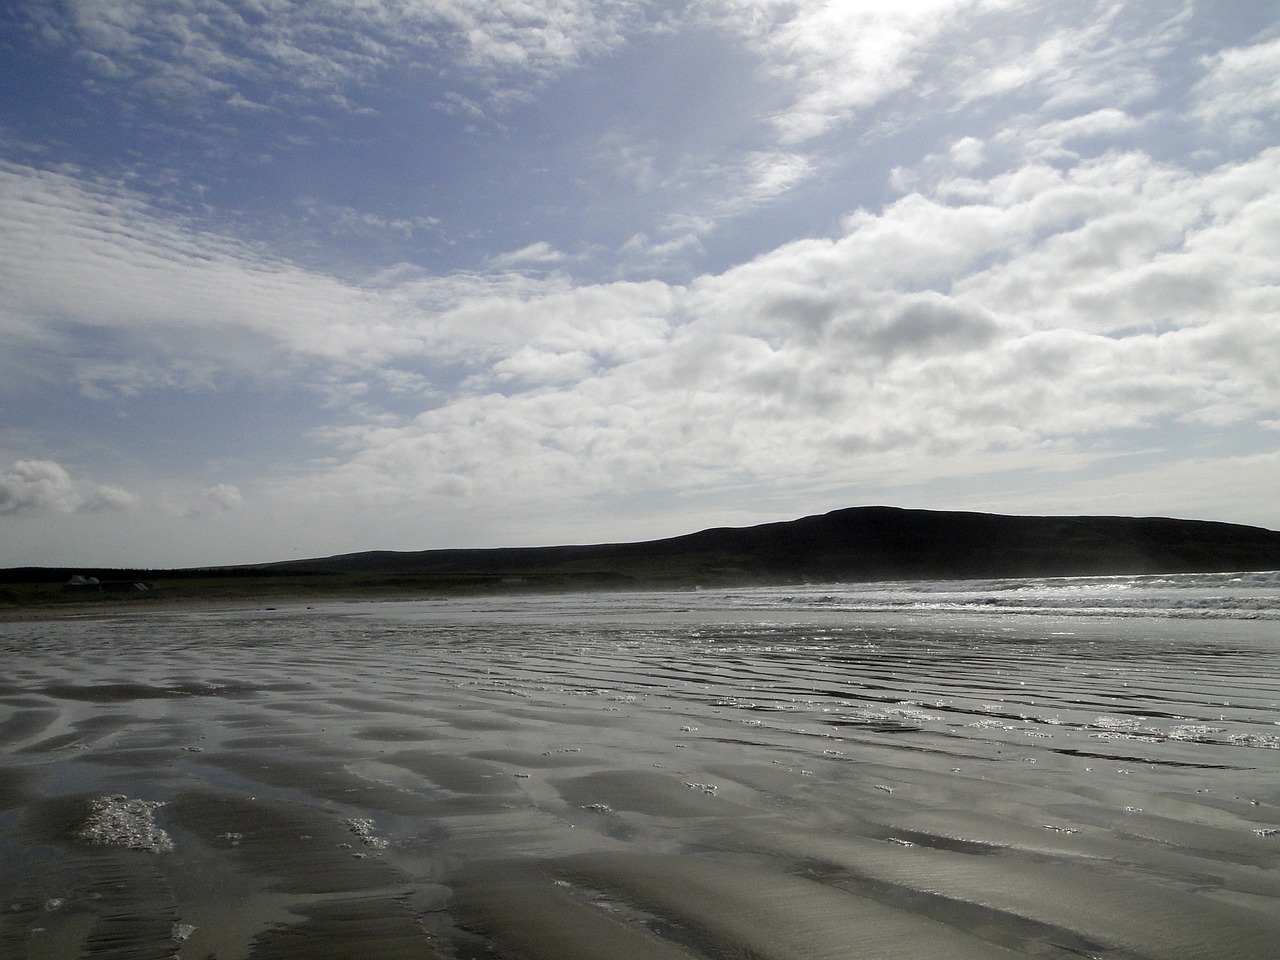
(865, 543)
(856, 544)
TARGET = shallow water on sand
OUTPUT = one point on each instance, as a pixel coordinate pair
(1014, 769)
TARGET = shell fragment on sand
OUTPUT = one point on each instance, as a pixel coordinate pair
(120, 821)
(364, 830)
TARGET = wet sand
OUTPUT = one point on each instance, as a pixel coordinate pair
(637, 778)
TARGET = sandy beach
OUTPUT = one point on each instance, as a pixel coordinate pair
(637, 777)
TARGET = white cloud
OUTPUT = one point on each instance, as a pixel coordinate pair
(194, 49)
(222, 496)
(133, 300)
(836, 56)
(726, 191)
(642, 252)
(766, 175)
(1040, 306)
(1015, 320)
(183, 502)
(1108, 121)
(127, 302)
(540, 253)
(1022, 327)
(1240, 90)
(43, 486)
(1071, 57)
(967, 152)
(1132, 242)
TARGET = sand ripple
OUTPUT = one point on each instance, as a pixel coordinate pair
(642, 777)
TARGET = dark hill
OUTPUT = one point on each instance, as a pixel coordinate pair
(862, 543)
(858, 544)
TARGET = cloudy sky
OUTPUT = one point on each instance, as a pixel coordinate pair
(282, 279)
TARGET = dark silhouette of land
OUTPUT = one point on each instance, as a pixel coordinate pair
(856, 544)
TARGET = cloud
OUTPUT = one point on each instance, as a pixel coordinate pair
(1011, 320)
(222, 496)
(967, 152)
(758, 178)
(1069, 57)
(123, 301)
(216, 500)
(1106, 122)
(193, 50)
(724, 191)
(133, 300)
(1240, 90)
(834, 58)
(43, 486)
(1028, 321)
(540, 253)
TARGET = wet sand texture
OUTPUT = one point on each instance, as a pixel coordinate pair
(562, 782)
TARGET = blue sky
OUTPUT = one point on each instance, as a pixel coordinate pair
(283, 280)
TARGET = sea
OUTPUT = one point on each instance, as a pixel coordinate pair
(1036, 767)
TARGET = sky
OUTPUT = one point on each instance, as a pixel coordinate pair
(285, 280)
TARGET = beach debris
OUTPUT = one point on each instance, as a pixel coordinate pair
(991, 724)
(233, 839)
(120, 821)
(183, 931)
(885, 787)
(707, 788)
(1195, 732)
(597, 807)
(1133, 809)
(688, 729)
(522, 776)
(364, 830)
(1058, 829)
(1264, 741)
(900, 842)
(1267, 831)
(53, 904)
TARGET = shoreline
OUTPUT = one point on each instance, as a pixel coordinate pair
(47, 602)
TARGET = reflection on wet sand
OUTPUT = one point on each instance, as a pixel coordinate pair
(564, 778)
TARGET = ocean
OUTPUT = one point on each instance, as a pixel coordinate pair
(1048, 768)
